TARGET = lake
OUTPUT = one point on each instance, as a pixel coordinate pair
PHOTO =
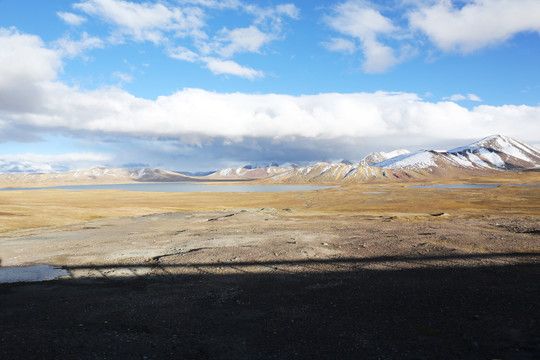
(465, 186)
(183, 187)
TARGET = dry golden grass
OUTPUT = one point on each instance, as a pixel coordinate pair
(44, 208)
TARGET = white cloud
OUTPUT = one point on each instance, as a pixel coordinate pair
(355, 18)
(460, 97)
(123, 77)
(479, 23)
(157, 21)
(379, 57)
(455, 97)
(240, 40)
(453, 26)
(18, 54)
(20, 73)
(145, 21)
(33, 102)
(340, 45)
(182, 53)
(230, 67)
(43, 163)
(474, 97)
(214, 4)
(272, 16)
(72, 48)
(71, 19)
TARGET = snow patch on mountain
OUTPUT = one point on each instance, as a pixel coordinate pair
(380, 156)
(492, 153)
(417, 160)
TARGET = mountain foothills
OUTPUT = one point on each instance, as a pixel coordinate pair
(490, 155)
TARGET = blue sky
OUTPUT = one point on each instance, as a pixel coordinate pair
(205, 84)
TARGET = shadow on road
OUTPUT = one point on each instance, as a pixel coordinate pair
(472, 307)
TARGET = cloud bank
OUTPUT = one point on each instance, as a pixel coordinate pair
(43, 104)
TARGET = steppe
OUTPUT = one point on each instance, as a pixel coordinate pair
(365, 271)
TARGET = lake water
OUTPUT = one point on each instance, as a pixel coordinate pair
(455, 186)
(184, 187)
(30, 273)
(465, 186)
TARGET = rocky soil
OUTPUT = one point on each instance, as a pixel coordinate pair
(276, 284)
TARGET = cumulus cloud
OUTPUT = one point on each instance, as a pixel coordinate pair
(33, 101)
(20, 73)
(145, 21)
(167, 23)
(479, 23)
(450, 25)
(359, 20)
(194, 115)
(240, 40)
(71, 19)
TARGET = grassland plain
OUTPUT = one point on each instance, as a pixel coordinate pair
(374, 271)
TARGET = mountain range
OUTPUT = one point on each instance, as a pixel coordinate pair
(490, 155)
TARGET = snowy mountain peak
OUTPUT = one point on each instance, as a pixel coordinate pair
(377, 157)
(497, 152)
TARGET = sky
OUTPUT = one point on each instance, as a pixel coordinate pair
(199, 85)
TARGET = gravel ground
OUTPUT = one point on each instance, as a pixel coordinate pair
(276, 284)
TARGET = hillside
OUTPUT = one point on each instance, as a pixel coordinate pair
(488, 156)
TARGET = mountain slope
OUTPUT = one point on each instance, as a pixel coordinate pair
(247, 173)
(489, 154)
(341, 173)
(377, 157)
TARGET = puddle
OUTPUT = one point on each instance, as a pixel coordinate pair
(13, 274)
(375, 192)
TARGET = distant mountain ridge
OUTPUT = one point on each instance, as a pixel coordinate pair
(100, 175)
(490, 155)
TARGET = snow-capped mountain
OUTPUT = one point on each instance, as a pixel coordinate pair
(324, 172)
(490, 155)
(495, 152)
(248, 172)
(377, 157)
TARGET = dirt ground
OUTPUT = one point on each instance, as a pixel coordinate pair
(345, 273)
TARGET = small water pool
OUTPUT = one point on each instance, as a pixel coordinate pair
(32, 273)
